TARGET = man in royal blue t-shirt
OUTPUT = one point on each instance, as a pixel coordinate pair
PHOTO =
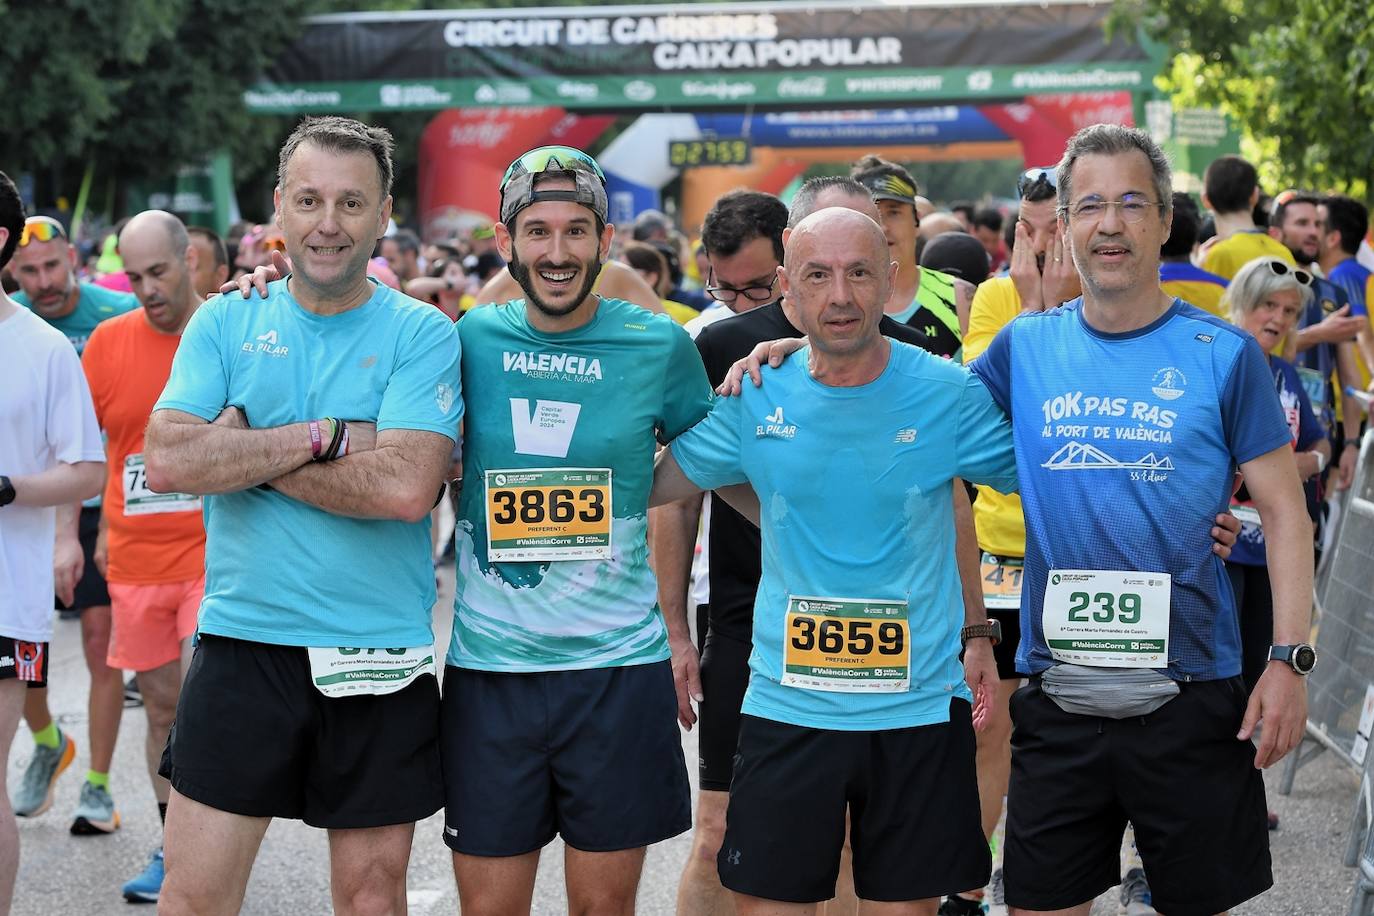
(1121, 471)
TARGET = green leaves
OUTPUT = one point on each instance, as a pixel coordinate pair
(1297, 75)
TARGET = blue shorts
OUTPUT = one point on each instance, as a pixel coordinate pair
(593, 755)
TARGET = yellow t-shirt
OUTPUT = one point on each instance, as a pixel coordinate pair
(678, 312)
(997, 518)
(1228, 256)
(1206, 296)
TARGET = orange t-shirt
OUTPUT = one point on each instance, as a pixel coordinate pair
(154, 538)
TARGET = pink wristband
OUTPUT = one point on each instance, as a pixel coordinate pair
(316, 442)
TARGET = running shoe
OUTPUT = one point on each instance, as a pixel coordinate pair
(133, 698)
(40, 778)
(955, 905)
(1135, 894)
(148, 885)
(95, 812)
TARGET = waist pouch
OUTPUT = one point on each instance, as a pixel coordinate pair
(1113, 693)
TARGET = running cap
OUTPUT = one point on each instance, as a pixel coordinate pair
(890, 187)
(518, 189)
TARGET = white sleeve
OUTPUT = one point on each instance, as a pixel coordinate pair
(72, 431)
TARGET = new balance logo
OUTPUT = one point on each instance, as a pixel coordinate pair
(267, 344)
(905, 436)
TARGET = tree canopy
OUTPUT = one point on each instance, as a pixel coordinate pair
(1296, 75)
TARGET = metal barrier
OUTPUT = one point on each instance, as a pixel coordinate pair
(1359, 850)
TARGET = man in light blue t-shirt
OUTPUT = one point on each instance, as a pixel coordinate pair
(857, 704)
(318, 424)
(559, 711)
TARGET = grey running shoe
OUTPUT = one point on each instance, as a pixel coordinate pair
(95, 812)
(36, 788)
(1135, 894)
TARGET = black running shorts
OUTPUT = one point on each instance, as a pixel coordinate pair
(253, 736)
(724, 678)
(1179, 775)
(912, 799)
(594, 755)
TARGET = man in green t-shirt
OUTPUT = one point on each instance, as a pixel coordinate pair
(559, 710)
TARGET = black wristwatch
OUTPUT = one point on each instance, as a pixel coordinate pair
(992, 630)
(7, 493)
(1302, 658)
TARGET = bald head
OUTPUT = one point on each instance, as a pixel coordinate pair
(939, 222)
(160, 261)
(152, 226)
(831, 224)
(837, 277)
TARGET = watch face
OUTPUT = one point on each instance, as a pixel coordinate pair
(1304, 658)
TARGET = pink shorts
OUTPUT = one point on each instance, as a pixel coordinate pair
(148, 622)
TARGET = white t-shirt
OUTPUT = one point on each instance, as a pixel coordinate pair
(47, 418)
(701, 561)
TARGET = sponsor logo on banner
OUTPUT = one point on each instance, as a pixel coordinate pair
(574, 89)
(420, 96)
(806, 87)
(720, 89)
(503, 94)
(980, 81)
(640, 91)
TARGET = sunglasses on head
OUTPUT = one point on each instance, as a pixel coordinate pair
(41, 229)
(1281, 269)
(1032, 177)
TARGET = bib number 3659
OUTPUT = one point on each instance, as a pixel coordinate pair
(846, 645)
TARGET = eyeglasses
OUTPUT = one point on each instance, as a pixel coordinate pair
(1032, 177)
(41, 229)
(1132, 207)
(557, 158)
(729, 293)
(1281, 269)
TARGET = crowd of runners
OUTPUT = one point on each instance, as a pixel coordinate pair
(970, 550)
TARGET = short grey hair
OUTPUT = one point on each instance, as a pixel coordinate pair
(340, 135)
(1257, 281)
(804, 201)
(1113, 140)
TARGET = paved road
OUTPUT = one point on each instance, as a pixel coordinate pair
(60, 873)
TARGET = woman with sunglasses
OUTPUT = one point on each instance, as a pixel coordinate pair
(1265, 298)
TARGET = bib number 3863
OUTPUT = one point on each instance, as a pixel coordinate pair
(847, 645)
(548, 514)
(1108, 619)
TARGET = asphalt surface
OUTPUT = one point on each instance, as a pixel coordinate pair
(61, 873)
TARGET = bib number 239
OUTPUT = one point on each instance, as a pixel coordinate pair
(1108, 619)
(847, 645)
(549, 514)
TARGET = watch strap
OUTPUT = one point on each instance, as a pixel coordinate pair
(992, 629)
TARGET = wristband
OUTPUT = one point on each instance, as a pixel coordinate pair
(316, 440)
(1352, 443)
(343, 440)
(1321, 461)
(332, 450)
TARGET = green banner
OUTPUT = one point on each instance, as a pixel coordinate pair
(699, 55)
(654, 92)
(201, 194)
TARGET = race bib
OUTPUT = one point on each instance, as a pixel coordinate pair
(1107, 619)
(1001, 582)
(1247, 514)
(1315, 385)
(139, 500)
(847, 645)
(548, 514)
(343, 672)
